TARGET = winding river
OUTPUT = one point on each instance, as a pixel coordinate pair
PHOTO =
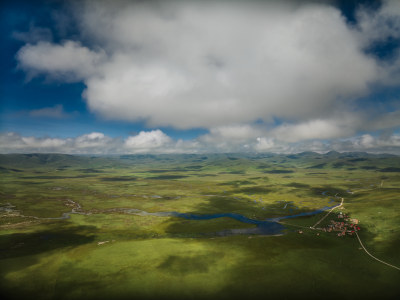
(263, 227)
(269, 226)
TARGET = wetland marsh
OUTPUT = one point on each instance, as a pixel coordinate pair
(196, 226)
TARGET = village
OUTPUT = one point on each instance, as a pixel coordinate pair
(342, 226)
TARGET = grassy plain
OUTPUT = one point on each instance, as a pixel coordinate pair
(106, 252)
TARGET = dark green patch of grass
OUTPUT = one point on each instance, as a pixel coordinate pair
(90, 170)
(368, 168)
(32, 182)
(222, 204)
(183, 265)
(22, 244)
(319, 166)
(55, 177)
(206, 175)
(240, 172)
(10, 169)
(156, 171)
(237, 182)
(390, 169)
(195, 167)
(330, 191)
(340, 164)
(317, 173)
(122, 178)
(253, 190)
(357, 159)
(261, 167)
(167, 177)
(278, 171)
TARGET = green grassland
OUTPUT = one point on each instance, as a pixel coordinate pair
(102, 251)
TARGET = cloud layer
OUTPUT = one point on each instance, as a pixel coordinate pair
(157, 142)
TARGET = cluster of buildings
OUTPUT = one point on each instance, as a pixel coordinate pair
(343, 226)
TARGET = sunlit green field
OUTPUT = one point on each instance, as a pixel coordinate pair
(103, 251)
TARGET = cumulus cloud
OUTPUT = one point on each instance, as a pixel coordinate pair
(381, 24)
(154, 141)
(12, 142)
(147, 141)
(313, 129)
(234, 133)
(93, 143)
(194, 64)
(235, 138)
(69, 61)
(369, 143)
(265, 144)
(93, 140)
(377, 28)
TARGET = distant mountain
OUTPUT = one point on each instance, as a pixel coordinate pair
(45, 160)
(306, 154)
(236, 161)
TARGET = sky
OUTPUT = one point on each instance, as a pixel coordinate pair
(113, 77)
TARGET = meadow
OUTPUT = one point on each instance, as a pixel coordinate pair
(86, 227)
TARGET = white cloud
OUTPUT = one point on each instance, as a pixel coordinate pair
(314, 129)
(265, 144)
(32, 142)
(12, 142)
(235, 138)
(379, 25)
(240, 64)
(369, 143)
(366, 141)
(148, 141)
(156, 141)
(69, 61)
(236, 133)
(376, 28)
(92, 140)
(194, 64)
(94, 143)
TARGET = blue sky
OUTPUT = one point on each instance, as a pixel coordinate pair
(179, 76)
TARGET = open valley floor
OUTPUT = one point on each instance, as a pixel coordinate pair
(200, 226)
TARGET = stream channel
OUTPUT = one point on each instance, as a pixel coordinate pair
(269, 226)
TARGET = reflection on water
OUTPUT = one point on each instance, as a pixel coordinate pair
(264, 227)
(269, 226)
